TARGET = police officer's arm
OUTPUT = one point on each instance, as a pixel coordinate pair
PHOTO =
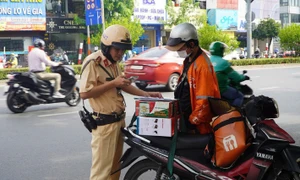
(97, 90)
(138, 92)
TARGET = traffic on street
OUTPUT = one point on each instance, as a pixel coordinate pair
(50, 142)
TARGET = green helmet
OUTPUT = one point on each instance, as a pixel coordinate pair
(217, 48)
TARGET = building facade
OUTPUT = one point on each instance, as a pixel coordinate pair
(289, 12)
(151, 13)
(230, 16)
(21, 22)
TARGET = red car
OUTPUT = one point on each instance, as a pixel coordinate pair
(154, 66)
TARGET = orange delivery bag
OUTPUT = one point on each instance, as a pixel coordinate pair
(230, 134)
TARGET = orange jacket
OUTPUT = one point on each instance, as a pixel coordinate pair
(203, 84)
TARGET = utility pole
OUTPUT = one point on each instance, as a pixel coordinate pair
(102, 15)
(88, 40)
(249, 29)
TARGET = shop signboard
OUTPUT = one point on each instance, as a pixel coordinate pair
(93, 12)
(150, 11)
(64, 25)
(225, 19)
(22, 15)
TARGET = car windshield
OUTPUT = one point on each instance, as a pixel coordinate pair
(154, 52)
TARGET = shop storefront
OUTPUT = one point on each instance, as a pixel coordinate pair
(20, 22)
(63, 33)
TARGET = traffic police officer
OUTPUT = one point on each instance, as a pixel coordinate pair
(103, 86)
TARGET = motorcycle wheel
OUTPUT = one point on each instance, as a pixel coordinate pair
(15, 103)
(145, 169)
(74, 98)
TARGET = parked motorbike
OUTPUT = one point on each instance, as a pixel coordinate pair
(25, 89)
(270, 155)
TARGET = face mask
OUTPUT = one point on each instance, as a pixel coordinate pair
(183, 54)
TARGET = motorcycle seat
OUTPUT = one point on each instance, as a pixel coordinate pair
(184, 141)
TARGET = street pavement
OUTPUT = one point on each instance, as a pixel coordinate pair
(49, 142)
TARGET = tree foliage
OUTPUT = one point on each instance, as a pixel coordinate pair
(290, 37)
(187, 12)
(266, 29)
(135, 28)
(115, 9)
(208, 34)
(115, 12)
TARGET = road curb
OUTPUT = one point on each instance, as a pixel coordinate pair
(266, 66)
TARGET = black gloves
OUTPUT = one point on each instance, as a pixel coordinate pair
(247, 77)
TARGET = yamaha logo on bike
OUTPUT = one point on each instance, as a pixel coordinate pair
(264, 156)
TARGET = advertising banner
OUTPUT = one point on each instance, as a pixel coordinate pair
(22, 15)
(150, 11)
(223, 18)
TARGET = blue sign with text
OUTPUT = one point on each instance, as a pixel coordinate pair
(93, 12)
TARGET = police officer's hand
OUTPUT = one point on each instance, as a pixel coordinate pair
(154, 94)
(121, 81)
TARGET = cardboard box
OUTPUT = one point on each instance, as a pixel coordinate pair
(156, 126)
(153, 107)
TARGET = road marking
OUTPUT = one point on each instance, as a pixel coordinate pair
(58, 114)
(269, 88)
(2, 99)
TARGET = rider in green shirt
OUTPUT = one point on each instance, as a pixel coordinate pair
(226, 74)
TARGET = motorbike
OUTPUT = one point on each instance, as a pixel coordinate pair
(25, 89)
(270, 155)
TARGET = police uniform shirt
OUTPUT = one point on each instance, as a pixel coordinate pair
(93, 75)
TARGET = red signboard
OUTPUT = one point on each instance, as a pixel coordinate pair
(227, 4)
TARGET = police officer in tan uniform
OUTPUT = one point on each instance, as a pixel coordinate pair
(103, 89)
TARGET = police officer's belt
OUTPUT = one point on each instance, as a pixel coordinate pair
(103, 119)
